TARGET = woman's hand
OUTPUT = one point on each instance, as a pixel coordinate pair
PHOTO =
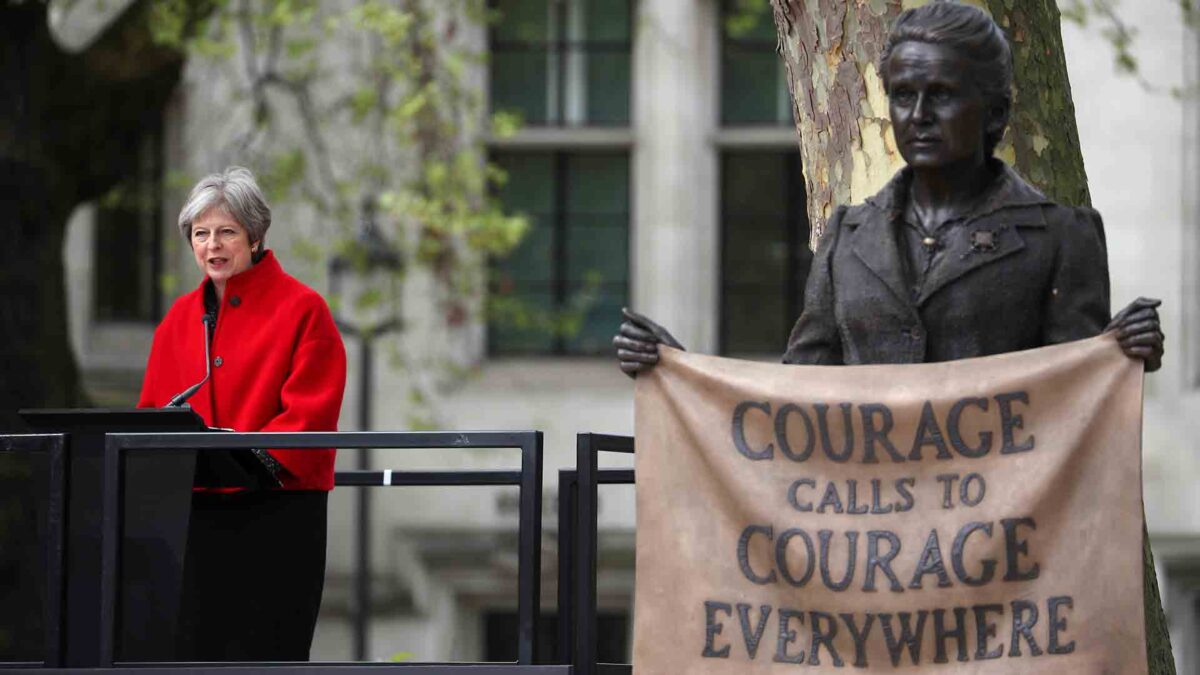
(637, 343)
(1139, 332)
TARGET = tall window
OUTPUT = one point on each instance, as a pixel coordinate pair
(127, 240)
(753, 86)
(561, 289)
(562, 62)
(764, 249)
(764, 226)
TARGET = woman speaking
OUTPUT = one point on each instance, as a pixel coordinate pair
(256, 558)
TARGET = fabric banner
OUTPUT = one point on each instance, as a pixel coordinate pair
(978, 516)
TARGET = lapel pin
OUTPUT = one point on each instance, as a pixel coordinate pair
(983, 241)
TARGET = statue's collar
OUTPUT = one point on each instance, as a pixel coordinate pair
(1007, 190)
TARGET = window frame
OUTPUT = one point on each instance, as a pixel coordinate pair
(778, 138)
(560, 224)
(724, 40)
(558, 84)
(795, 222)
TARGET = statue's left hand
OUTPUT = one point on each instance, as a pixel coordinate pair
(1139, 332)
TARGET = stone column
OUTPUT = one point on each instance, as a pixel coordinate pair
(675, 235)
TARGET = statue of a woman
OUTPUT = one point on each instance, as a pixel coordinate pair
(957, 256)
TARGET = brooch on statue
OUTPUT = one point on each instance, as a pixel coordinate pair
(984, 241)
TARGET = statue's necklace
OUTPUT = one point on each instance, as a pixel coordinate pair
(928, 224)
(925, 225)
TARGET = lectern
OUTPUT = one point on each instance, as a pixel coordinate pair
(158, 491)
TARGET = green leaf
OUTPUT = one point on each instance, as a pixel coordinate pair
(506, 123)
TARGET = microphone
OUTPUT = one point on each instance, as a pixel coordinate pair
(184, 395)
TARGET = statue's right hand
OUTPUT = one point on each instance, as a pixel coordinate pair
(637, 343)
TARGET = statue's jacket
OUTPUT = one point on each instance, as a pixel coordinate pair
(1019, 272)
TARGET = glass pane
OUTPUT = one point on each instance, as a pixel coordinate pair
(763, 255)
(754, 320)
(522, 21)
(520, 325)
(530, 181)
(535, 289)
(598, 183)
(755, 251)
(608, 85)
(523, 282)
(601, 319)
(597, 232)
(519, 83)
(750, 87)
(533, 258)
(529, 190)
(597, 246)
(520, 60)
(530, 44)
(754, 183)
(748, 21)
(607, 20)
(23, 502)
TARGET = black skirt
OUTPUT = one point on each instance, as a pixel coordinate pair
(252, 576)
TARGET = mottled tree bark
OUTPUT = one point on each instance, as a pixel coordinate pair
(831, 48)
(1042, 140)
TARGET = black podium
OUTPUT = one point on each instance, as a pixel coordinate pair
(157, 506)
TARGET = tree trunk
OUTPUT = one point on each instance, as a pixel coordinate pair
(830, 49)
(69, 124)
(67, 134)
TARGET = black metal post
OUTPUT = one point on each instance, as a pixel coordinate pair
(55, 546)
(586, 509)
(362, 575)
(567, 507)
(529, 580)
(584, 651)
(111, 515)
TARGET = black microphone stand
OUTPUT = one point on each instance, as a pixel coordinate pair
(184, 395)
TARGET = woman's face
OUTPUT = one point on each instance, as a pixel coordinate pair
(939, 115)
(221, 246)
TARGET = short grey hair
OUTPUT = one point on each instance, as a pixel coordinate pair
(235, 192)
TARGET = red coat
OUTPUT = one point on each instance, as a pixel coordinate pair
(278, 364)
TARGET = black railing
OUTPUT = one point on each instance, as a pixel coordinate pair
(53, 546)
(578, 509)
(528, 479)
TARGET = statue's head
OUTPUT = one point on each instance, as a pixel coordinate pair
(947, 68)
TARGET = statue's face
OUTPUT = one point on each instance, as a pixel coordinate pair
(939, 116)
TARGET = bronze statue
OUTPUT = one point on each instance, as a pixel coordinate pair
(957, 256)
